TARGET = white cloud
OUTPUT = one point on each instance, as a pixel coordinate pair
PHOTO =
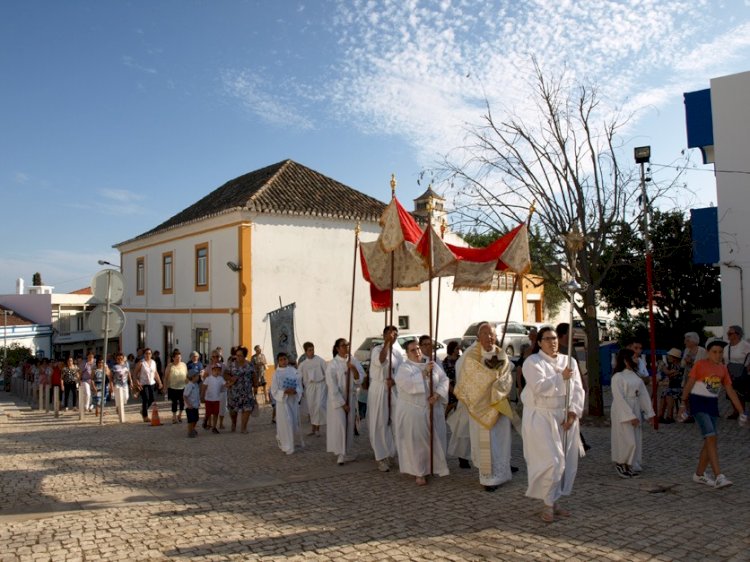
(421, 70)
(256, 95)
(20, 177)
(130, 62)
(120, 195)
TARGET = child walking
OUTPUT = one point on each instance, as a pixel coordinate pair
(630, 403)
(213, 387)
(192, 398)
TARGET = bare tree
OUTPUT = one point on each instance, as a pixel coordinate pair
(565, 161)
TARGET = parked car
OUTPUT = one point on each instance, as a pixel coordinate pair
(515, 336)
(362, 354)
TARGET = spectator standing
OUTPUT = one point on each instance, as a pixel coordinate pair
(147, 380)
(259, 365)
(670, 375)
(56, 381)
(702, 389)
(241, 393)
(175, 380)
(159, 366)
(736, 358)
(192, 399)
(87, 373)
(101, 379)
(71, 377)
(121, 379)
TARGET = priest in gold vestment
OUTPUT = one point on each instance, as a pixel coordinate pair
(484, 383)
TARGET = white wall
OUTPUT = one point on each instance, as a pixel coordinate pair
(731, 125)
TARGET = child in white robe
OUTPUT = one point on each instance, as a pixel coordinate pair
(630, 405)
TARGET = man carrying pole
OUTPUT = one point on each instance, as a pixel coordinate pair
(385, 359)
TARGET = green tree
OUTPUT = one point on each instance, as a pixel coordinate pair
(36, 279)
(681, 288)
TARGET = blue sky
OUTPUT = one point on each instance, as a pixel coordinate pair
(116, 115)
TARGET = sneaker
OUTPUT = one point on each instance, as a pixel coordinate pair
(705, 479)
(622, 471)
(722, 481)
(383, 466)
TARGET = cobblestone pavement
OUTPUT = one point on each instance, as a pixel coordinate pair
(72, 490)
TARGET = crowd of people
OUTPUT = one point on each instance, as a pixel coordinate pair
(419, 410)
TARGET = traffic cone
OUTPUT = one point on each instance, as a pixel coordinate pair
(155, 416)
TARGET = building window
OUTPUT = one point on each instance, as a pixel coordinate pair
(201, 267)
(140, 331)
(403, 322)
(63, 324)
(80, 322)
(140, 276)
(203, 342)
(167, 272)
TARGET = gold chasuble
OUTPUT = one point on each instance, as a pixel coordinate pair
(484, 384)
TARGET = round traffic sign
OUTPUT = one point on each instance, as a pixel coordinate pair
(111, 278)
(97, 319)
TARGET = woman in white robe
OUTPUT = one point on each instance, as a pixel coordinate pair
(413, 416)
(630, 404)
(286, 389)
(339, 410)
(551, 439)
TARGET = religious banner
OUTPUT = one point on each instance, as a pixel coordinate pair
(282, 331)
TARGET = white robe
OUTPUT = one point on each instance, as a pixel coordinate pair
(381, 432)
(313, 371)
(412, 420)
(458, 421)
(339, 434)
(551, 469)
(287, 409)
(629, 400)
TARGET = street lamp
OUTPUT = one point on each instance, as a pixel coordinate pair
(642, 156)
(105, 262)
(6, 313)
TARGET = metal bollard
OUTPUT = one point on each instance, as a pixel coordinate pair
(56, 400)
(45, 396)
(120, 399)
(81, 400)
(40, 396)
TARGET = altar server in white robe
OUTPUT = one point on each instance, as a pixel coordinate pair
(484, 385)
(551, 441)
(380, 412)
(313, 371)
(339, 410)
(630, 404)
(413, 416)
(286, 389)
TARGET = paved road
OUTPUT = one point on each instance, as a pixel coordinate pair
(73, 490)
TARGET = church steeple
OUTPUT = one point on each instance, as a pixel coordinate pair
(437, 202)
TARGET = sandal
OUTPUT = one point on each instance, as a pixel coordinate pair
(561, 511)
(548, 514)
(421, 481)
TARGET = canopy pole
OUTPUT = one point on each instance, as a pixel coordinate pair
(351, 332)
(432, 341)
(389, 382)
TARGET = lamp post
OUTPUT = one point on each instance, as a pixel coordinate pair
(105, 262)
(643, 156)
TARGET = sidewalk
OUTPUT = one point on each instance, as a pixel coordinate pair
(76, 491)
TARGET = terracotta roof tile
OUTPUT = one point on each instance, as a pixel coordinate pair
(283, 188)
(14, 320)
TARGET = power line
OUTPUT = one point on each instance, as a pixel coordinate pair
(715, 171)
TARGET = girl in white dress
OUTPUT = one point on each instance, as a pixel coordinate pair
(630, 405)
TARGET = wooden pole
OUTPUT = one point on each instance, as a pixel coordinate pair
(429, 374)
(351, 332)
(393, 299)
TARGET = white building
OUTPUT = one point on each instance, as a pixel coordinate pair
(56, 322)
(718, 122)
(283, 234)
